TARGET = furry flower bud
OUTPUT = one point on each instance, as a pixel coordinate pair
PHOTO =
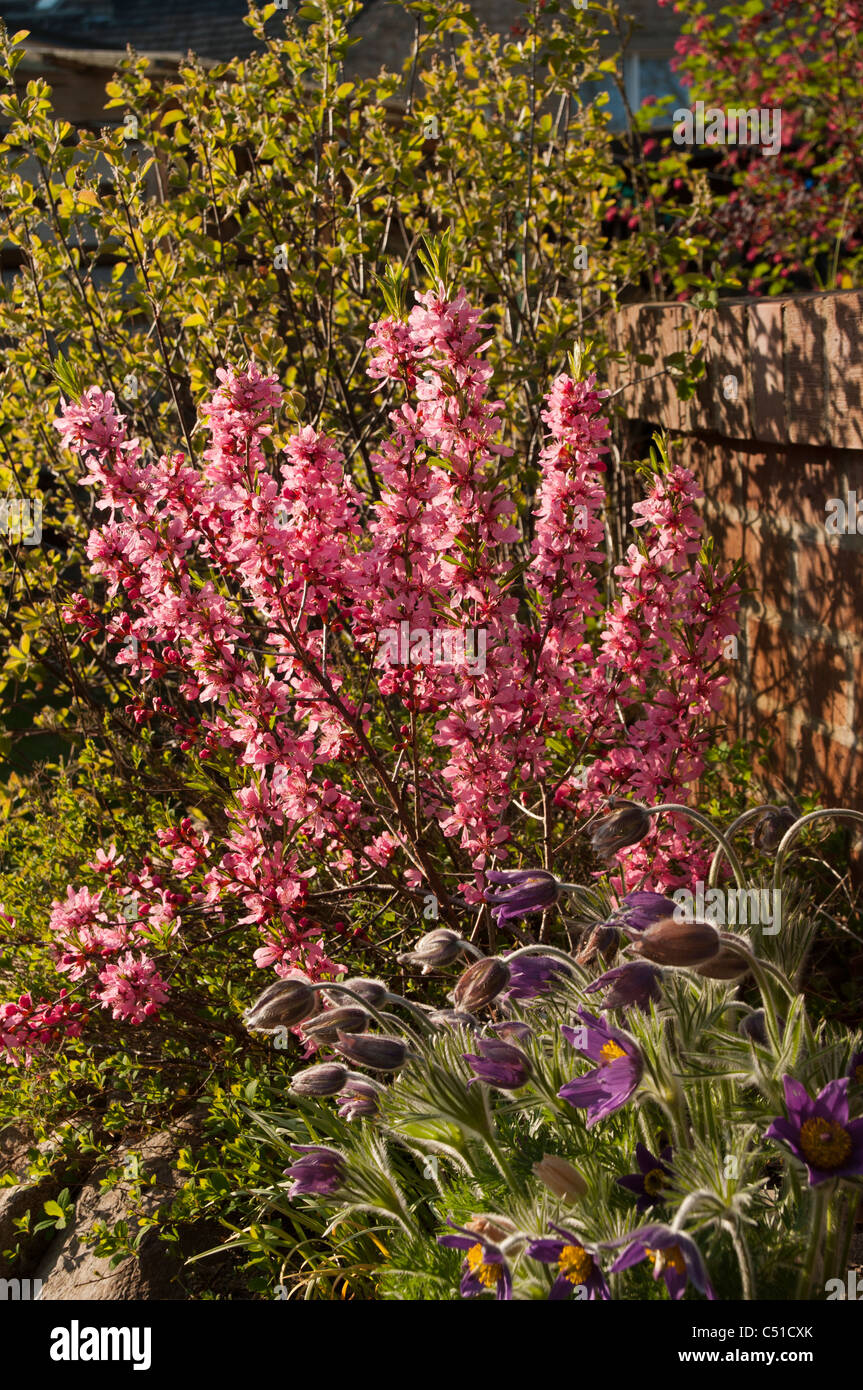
(678, 943)
(625, 826)
(754, 1026)
(282, 1005)
(771, 828)
(481, 983)
(372, 992)
(727, 964)
(328, 1025)
(602, 940)
(452, 1018)
(378, 1051)
(324, 1080)
(436, 948)
(499, 1064)
(560, 1177)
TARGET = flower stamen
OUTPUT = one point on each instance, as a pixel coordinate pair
(575, 1264)
(671, 1257)
(825, 1143)
(654, 1182)
(487, 1274)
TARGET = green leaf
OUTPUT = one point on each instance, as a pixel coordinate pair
(68, 377)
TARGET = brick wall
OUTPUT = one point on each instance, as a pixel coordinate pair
(770, 456)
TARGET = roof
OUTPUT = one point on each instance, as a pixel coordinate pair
(211, 29)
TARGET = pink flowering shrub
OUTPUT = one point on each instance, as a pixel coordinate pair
(253, 597)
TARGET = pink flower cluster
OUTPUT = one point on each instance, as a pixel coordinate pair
(27, 1027)
(256, 585)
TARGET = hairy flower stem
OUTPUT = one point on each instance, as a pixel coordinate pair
(415, 1011)
(744, 1260)
(844, 1232)
(557, 1107)
(358, 999)
(406, 1029)
(808, 1267)
(500, 1162)
(706, 824)
(674, 1106)
(753, 813)
(764, 972)
(793, 831)
(541, 949)
(686, 1206)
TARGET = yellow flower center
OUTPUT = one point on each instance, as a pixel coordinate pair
(824, 1142)
(610, 1053)
(575, 1264)
(654, 1182)
(487, 1274)
(858, 1073)
(671, 1257)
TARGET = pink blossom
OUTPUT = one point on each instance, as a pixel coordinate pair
(131, 988)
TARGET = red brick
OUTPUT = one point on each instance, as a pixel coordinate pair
(844, 333)
(768, 377)
(771, 666)
(783, 482)
(829, 576)
(805, 371)
(768, 577)
(828, 769)
(641, 395)
(717, 470)
(823, 682)
(728, 355)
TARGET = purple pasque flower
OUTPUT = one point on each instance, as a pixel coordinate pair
(318, 1173)
(499, 1064)
(484, 1268)
(532, 975)
(521, 891)
(512, 1029)
(650, 1183)
(358, 1098)
(675, 1257)
(855, 1069)
(614, 1080)
(577, 1266)
(819, 1132)
(641, 910)
(636, 983)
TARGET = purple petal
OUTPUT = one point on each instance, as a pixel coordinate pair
(456, 1242)
(546, 1251)
(635, 1253)
(560, 1289)
(797, 1098)
(645, 1160)
(832, 1103)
